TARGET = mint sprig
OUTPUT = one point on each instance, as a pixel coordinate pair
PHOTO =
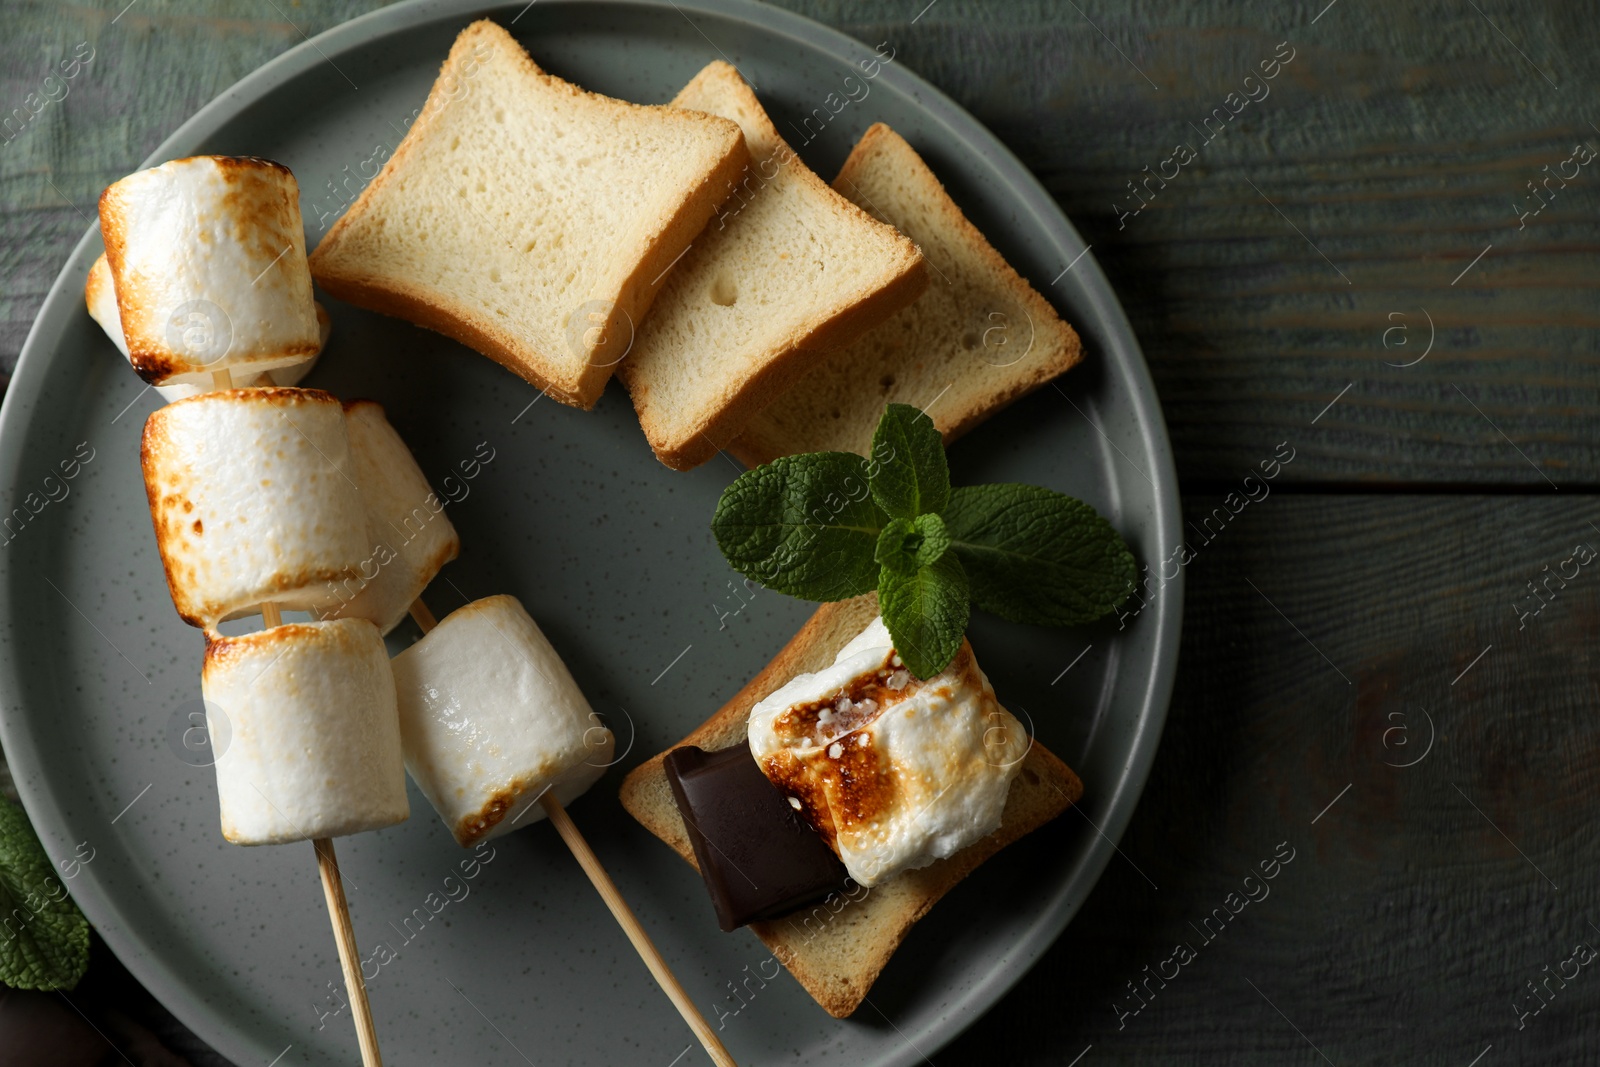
(832, 525)
(44, 942)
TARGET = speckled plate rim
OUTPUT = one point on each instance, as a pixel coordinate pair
(1115, 340)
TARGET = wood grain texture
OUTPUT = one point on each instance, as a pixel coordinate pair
(1394, 144)
(1384, 157)
(1418, 904)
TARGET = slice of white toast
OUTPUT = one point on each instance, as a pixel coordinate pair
(978, 339)
(837, 948)
(529, 219)
(788, 269)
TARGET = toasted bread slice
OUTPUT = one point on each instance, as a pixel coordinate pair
(529, 219)
(837, 949)
(788, 269)
(978, 339)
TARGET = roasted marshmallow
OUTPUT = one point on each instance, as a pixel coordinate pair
(253, 500)
(491, 718)
(894, 772)
(208, 262)
(303, 722)
(100, 294)
(408, 536)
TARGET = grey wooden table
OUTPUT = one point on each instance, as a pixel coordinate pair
(1386, 262)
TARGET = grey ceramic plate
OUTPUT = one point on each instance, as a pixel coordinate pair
(610, 551)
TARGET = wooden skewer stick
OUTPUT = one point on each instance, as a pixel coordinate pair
(349, 954)
(630, 925)
(619, 907)
(344, 934)
(424, 617)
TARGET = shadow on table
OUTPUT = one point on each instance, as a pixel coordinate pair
(108, 1019)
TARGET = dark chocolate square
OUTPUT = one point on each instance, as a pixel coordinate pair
(760, 859)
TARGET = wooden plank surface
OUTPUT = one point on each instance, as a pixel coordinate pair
(1303, 250)
(1261, 279)
(1323, 635)
(1284, 275)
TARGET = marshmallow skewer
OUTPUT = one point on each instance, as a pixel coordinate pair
(205, 279)
(177, 236)
(613, 898)
(344, 933)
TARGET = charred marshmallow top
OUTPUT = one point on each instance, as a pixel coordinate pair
(892, 771)
(208, 264)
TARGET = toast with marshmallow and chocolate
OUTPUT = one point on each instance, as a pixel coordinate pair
(903, 851)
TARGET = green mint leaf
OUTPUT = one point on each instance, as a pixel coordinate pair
(44, 940)
(1038, 556)
(908, 545)
(926, 613)
(897, 547)
(804, 525)
(910, 476)
(935, 539)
